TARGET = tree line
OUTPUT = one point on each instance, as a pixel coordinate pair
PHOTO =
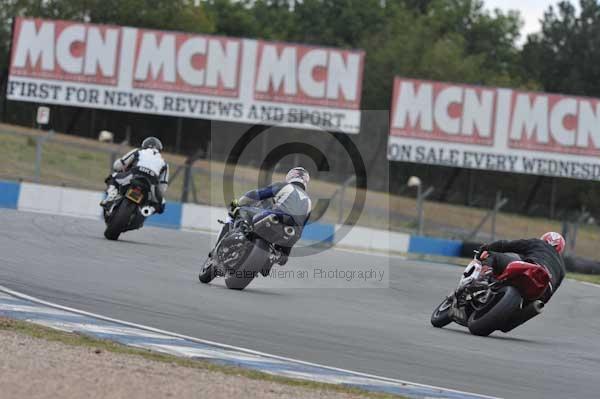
(447, 40)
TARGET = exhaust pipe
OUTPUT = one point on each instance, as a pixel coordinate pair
(148, 211)
(526, 314)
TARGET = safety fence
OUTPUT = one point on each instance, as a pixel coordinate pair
(54, 200)
(61, 160)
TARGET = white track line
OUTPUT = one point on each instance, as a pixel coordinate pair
(224, 346)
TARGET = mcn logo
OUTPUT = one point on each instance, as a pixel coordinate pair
(477, 115)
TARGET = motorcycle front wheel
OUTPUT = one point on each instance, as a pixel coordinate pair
(505, 302)
(207, 274)
(441, 315)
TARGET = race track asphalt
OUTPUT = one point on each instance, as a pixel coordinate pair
(151, 278)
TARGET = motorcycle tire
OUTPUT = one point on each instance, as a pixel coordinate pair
(441, 315)
(119, 220)
(256, 260)
(207, 274)
(506, 302)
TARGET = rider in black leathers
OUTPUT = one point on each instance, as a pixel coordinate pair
(545, 251)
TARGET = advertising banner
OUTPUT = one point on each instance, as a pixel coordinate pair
(495, 129)
(188, 75)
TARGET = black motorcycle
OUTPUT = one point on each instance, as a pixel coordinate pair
(131, 208)
(252, 245)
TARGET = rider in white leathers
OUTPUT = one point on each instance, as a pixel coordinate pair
(146, 159)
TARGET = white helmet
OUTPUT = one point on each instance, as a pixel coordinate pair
(556, 240)
(298, 175)
(152, 142)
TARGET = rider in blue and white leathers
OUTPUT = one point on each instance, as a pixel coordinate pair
(288, 198)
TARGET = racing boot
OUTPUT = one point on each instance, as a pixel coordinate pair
(111, 194)
(282, 259)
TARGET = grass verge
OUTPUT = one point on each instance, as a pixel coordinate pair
(79, 340)
(588, 278)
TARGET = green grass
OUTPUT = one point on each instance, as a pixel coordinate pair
(66, 163)
(17, 157)
(588, 278)
(79, 340)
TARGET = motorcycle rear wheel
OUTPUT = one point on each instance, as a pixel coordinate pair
(441, 315)
(119, 220)
(253, 264)
(504, 304)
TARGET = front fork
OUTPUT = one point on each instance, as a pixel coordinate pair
(458, 313)
(464, 299)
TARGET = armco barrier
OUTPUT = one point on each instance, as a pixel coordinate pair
(65, 201)
(59, 201)
(202, 217)
(84, 203)
(373, 239)
(79, 203)
(171, 218)
(319, 232)
(434, 246)
(206, 218)
(9, 194)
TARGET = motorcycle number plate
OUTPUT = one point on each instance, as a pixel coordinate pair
(135, 195)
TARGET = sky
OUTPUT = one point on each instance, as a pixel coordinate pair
(531, 11)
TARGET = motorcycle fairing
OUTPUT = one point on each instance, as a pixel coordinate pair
(530, 279)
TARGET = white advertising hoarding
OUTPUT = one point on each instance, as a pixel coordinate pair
(495, 129)
(189, 75)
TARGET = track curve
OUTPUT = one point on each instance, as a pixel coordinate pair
(151, 278)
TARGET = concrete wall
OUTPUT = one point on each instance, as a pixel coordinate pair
(84, 203)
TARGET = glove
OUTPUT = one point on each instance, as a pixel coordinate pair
(109, 178)
(482, 250)
(234, 207)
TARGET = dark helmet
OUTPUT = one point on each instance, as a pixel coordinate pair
(152, 142)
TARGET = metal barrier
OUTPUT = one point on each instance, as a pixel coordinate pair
(71, 161)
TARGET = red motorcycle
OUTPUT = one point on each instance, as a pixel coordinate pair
(485, 302)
